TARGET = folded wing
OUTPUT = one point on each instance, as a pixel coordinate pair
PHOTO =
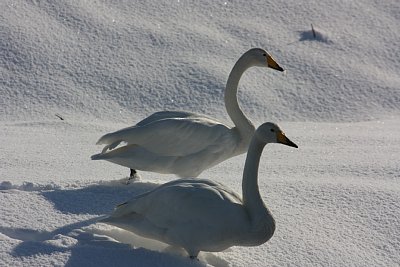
(172, 136)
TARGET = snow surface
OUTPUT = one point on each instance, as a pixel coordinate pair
(103, 65)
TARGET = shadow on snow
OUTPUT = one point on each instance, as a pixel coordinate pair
(88, 248)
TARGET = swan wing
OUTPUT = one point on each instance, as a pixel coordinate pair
(196, 212)
(180, 195)
(161, 115)
(175, 136)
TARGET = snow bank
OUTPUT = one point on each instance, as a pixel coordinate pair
(122, 60)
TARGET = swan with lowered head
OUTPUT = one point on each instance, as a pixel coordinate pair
(202, 215)
(185, 143)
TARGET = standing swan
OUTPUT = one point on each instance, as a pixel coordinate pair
(185, 143)
(202, 215)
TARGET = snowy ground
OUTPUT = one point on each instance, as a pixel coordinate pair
(336, 199)
(103, 65)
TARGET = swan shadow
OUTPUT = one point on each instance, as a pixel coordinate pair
(96, 199)
(88, 247)
(34, 241)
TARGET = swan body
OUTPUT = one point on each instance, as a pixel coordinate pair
(202, 215)
(182, 146)
(185, 143)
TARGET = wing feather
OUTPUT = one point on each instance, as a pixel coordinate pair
(182, 201)
(173, 136)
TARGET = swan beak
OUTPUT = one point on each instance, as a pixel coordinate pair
(272, 64)
(284, 140)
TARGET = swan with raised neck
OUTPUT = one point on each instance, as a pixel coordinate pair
(185, 143)
(202, 215)
(255, 57)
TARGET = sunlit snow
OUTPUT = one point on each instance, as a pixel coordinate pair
(72, 71)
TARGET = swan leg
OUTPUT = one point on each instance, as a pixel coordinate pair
(193, 253)
(134, 176)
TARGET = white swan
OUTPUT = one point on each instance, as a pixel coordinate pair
(185, 143)
(202, 215)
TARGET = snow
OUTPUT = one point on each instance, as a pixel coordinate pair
(104, 65)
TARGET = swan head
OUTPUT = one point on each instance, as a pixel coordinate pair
(261, 58)
(271, 133)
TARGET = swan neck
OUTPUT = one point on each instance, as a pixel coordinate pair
(240, 120)
(262, 223)
(252, 200)
(251, 193)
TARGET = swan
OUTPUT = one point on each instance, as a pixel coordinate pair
(185, 143)
(202, 215)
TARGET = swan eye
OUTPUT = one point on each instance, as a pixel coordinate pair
(272, 130)
(264, 55)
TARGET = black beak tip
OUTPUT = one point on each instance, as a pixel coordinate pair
(290, 143)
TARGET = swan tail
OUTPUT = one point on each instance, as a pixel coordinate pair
(99, 156)
(122, 210)
(103, 154)
(130, 222)
(109, 139)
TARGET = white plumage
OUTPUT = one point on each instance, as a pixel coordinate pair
(185, 143)
(202, 215)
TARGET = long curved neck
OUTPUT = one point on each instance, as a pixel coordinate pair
(262, 224)
(243, 124)
(251, 195)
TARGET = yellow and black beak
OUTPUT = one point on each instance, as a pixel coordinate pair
(284, 140)
(272, 64)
